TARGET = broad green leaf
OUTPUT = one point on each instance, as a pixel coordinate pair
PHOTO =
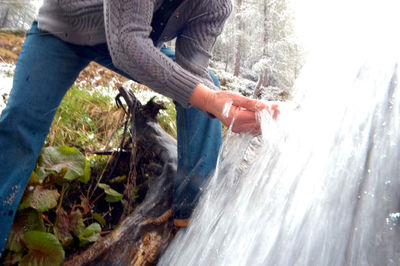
(25, 220)
(61, 227)
(76, 224)
(90, 234)
(58, 159)
(111, 194)
(40, 199)
(44, 249)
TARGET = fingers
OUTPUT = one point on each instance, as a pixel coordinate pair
(244, 121)
(244, 102)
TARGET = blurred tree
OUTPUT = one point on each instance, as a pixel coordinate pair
(259, 42)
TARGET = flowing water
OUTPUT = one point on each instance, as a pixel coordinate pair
(321, 186)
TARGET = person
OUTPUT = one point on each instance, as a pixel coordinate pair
(126, 37)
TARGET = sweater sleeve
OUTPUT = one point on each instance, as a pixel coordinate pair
(128, 26)
(195, 43)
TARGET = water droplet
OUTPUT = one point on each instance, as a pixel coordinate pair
(227, 108)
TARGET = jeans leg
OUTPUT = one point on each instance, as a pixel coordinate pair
(199, 141)
(45, 70)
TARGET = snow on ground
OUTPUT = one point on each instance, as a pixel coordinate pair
(246, 86)
(6, 80)
(146, 94)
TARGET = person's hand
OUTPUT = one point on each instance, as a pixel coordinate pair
(242, 110)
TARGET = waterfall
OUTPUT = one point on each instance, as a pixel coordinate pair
(321, 186)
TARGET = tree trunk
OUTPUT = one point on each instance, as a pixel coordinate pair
(257, 90)
(238, 46)
(227, 61)
(140, 237)
(265, 82)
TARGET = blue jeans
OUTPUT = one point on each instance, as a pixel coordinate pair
(46, 69)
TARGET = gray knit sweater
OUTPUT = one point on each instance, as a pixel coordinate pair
(126, 26)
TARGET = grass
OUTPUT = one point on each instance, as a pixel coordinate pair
(87, 120)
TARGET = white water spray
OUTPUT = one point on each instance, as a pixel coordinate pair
(322, 184)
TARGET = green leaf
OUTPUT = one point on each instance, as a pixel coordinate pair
(117, 179)
(42, 173)
(25, 220)
(58, 159)
(90, 234)
(86, 173)
(44, 249)
(99, 218)
(76, 224)
(40, 199)
(111, 194)
(61, 227)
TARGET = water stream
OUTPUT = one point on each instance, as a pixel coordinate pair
(321, 186)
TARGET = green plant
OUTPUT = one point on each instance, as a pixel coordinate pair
(43, 249)
(56, 209)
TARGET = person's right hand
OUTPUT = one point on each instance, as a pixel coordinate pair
(242, 111)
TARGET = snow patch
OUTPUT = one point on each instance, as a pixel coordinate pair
(246, 86)
(144, 95)
(6, 81)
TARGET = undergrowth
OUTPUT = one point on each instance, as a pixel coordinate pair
(70, 200)
(87, 120)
